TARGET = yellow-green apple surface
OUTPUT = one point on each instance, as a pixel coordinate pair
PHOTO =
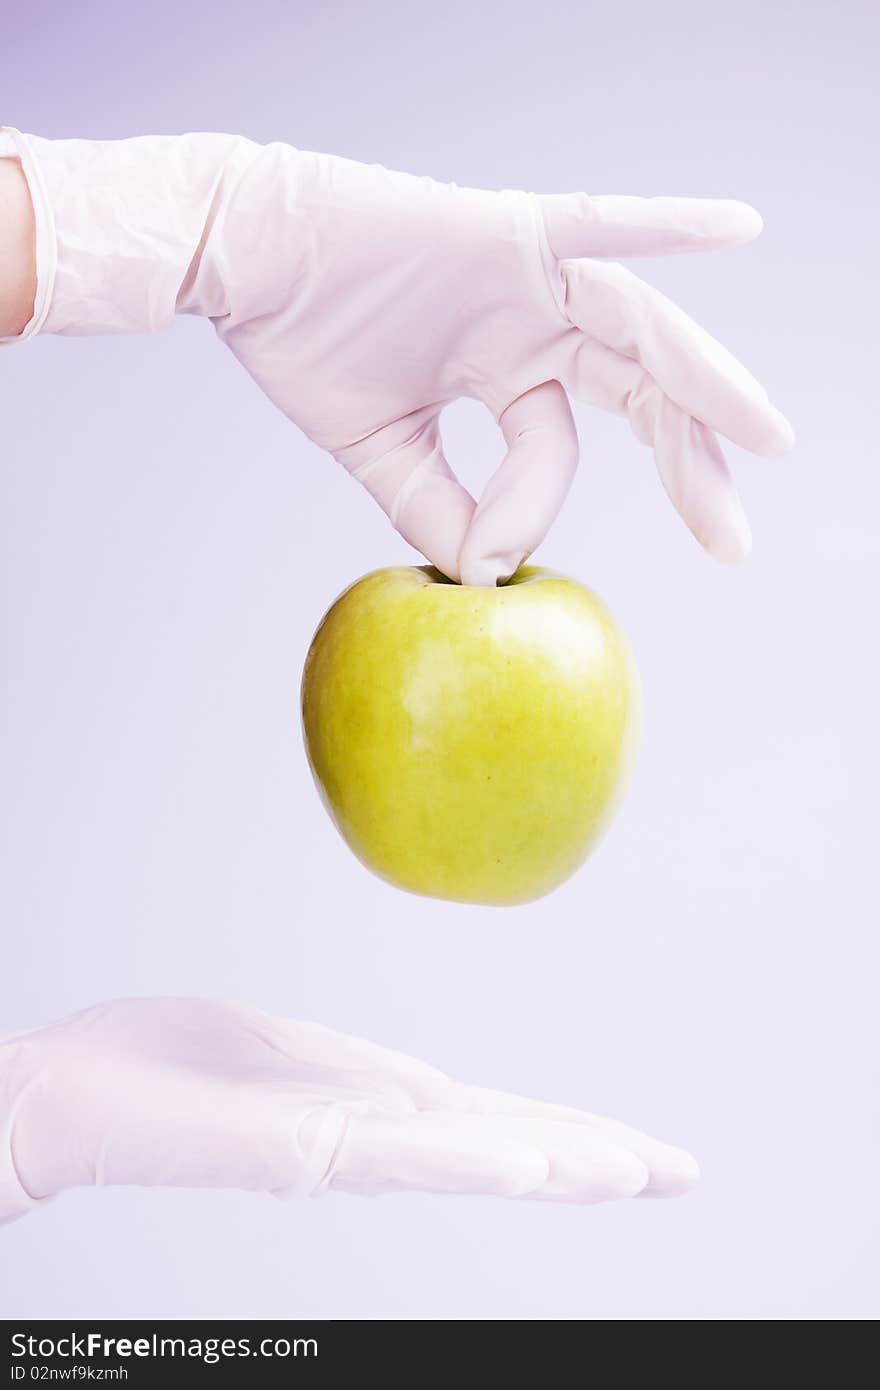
(470, 743)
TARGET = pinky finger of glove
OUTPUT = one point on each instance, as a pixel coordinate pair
(693, 470)
(691, 367)
(522, 498)
(687, 453)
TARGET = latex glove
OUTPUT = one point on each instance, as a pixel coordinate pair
(194, 1093)
(362, 301)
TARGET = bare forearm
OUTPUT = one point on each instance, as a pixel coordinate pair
(18, 273)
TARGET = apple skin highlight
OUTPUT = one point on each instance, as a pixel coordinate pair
(470, 743)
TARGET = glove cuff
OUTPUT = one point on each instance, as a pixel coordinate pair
(15, 1200)
(124, 228)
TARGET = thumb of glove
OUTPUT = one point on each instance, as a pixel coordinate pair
(524, 495)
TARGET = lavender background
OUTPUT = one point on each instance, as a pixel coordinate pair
(169, 543)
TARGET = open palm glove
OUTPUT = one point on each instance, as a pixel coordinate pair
(195, 1093)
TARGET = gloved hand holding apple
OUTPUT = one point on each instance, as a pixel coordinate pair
(469, 743)
(362, 301)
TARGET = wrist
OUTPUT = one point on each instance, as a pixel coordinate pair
(18, 260)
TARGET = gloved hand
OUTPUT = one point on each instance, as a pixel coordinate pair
(362, 301)
(194, 1093)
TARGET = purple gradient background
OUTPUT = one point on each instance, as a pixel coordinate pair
(169, 543)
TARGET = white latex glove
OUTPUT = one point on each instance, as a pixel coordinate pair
(194, 1093)
(362, 301)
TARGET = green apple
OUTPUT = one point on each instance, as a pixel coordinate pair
(470, 743)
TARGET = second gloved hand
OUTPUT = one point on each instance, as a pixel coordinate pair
(195, 1093)
(363, 301)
